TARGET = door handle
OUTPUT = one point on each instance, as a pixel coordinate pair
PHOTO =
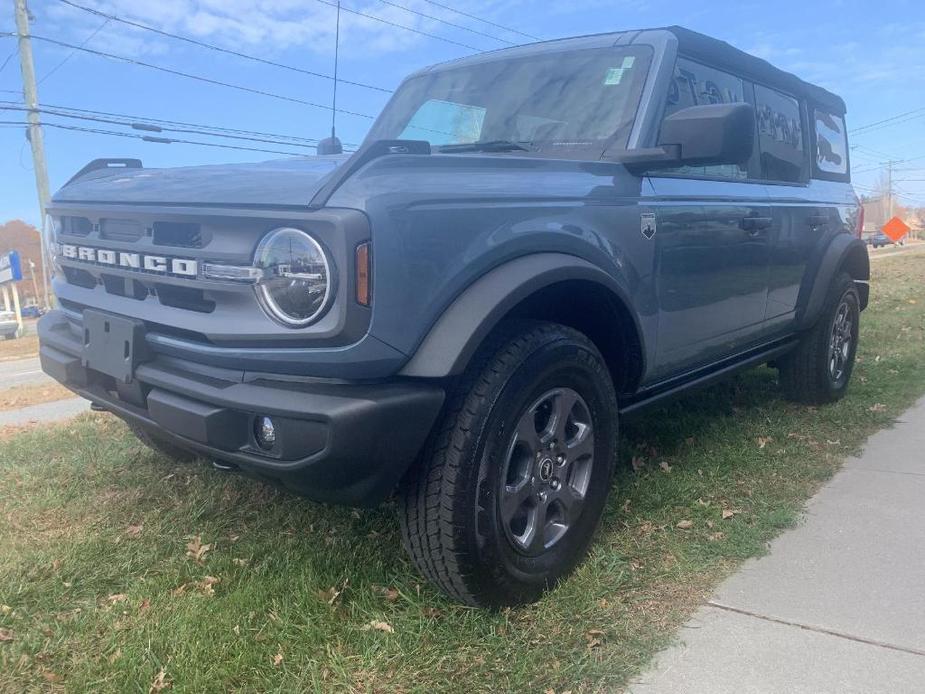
(817, 220)
(753, 225)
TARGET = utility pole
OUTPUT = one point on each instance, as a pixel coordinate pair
(889, 189)
(36, 138)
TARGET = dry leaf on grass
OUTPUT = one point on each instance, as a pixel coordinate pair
(594, 637)
(160, 682)
(278, 659)
(196, 550)
(378, 626)
(638, 463)
(6, 634)
(665, 467)
(729, 513)
(50, 676)
(116, 597)
(685, 524)
(878, 407)
(134, 530)
(239, 562)
(764, 441)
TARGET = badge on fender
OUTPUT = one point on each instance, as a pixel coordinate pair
(647, 224)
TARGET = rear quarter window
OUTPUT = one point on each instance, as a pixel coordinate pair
(831, 146)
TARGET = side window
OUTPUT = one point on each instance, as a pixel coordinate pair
(831, 144)
(780, 136)
(694, 84)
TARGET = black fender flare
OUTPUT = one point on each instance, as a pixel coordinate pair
(454, 338)
(844, 251)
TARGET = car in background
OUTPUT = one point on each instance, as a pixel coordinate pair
(879, 240)
(33, 312)
(9, 326)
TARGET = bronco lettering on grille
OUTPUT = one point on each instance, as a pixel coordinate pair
(183, 267)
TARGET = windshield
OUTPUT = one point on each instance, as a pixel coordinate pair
(555, 103)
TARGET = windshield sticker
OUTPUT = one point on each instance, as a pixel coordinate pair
(615, 74)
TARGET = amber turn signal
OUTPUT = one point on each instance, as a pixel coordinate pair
(363, 271)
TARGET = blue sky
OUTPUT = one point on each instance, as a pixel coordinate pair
(873, 54)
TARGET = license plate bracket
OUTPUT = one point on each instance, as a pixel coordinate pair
(113, 345)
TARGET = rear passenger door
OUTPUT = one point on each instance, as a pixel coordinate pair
(798, 221)
(713, 244)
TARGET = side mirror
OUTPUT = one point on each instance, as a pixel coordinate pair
(699, 136)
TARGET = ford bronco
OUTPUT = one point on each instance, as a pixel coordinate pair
(530, 244)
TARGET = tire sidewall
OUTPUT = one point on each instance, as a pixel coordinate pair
(845, 293)
(563, 362)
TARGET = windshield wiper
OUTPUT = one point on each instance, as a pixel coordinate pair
(487, 146)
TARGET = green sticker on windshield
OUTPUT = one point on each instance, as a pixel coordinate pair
(615, 74)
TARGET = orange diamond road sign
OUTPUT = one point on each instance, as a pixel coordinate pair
(895, 229)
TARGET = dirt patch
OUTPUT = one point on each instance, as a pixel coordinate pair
(34, 394)
(22, 348)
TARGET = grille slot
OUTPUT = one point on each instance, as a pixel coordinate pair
(79, 278)
(184, 297)
(179, 234)
(128, 230)
(76, 226)
(123, 286)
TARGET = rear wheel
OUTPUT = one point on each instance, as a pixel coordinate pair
(819, 369)
(162, 444)
(513, 484)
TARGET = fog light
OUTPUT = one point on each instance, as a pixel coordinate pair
(265, 433)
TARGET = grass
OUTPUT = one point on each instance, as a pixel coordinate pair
(15, 397)
(101, 589)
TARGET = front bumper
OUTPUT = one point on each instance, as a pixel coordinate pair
(339, 442)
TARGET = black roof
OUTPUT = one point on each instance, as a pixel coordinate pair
(718, 52)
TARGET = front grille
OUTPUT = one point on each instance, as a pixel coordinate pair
(179, 234)
(126, 230)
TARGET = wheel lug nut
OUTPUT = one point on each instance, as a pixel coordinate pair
(552, 444)
(542, 497)
(560, 459)
(555, 484)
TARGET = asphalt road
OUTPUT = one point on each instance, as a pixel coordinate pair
(22, 372)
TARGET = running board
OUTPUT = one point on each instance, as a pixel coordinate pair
(702, 378)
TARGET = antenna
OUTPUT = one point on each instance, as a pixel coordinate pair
(332, 145)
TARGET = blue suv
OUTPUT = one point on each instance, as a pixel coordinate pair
(530, 244)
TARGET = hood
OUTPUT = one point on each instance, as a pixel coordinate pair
(284, 182)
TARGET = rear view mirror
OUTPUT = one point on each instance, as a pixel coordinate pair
(712, 134)
(698, 136)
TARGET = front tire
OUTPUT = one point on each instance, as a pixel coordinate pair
(513, 483)
(819, 369)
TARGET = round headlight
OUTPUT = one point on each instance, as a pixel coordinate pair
(296, 286)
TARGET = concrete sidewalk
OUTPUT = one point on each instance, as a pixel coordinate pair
(21, 372)
(839, 603)
(46, 412)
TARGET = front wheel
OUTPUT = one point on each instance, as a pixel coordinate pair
(513, 484)
(819, 369)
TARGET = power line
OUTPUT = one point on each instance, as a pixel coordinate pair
(157, 140)
(136, 125)
(892, 120)
(400, 26)
(482, 19)
(199, 78)
(213, 47)
(443, 21)
(72, 53)
(172, 122)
